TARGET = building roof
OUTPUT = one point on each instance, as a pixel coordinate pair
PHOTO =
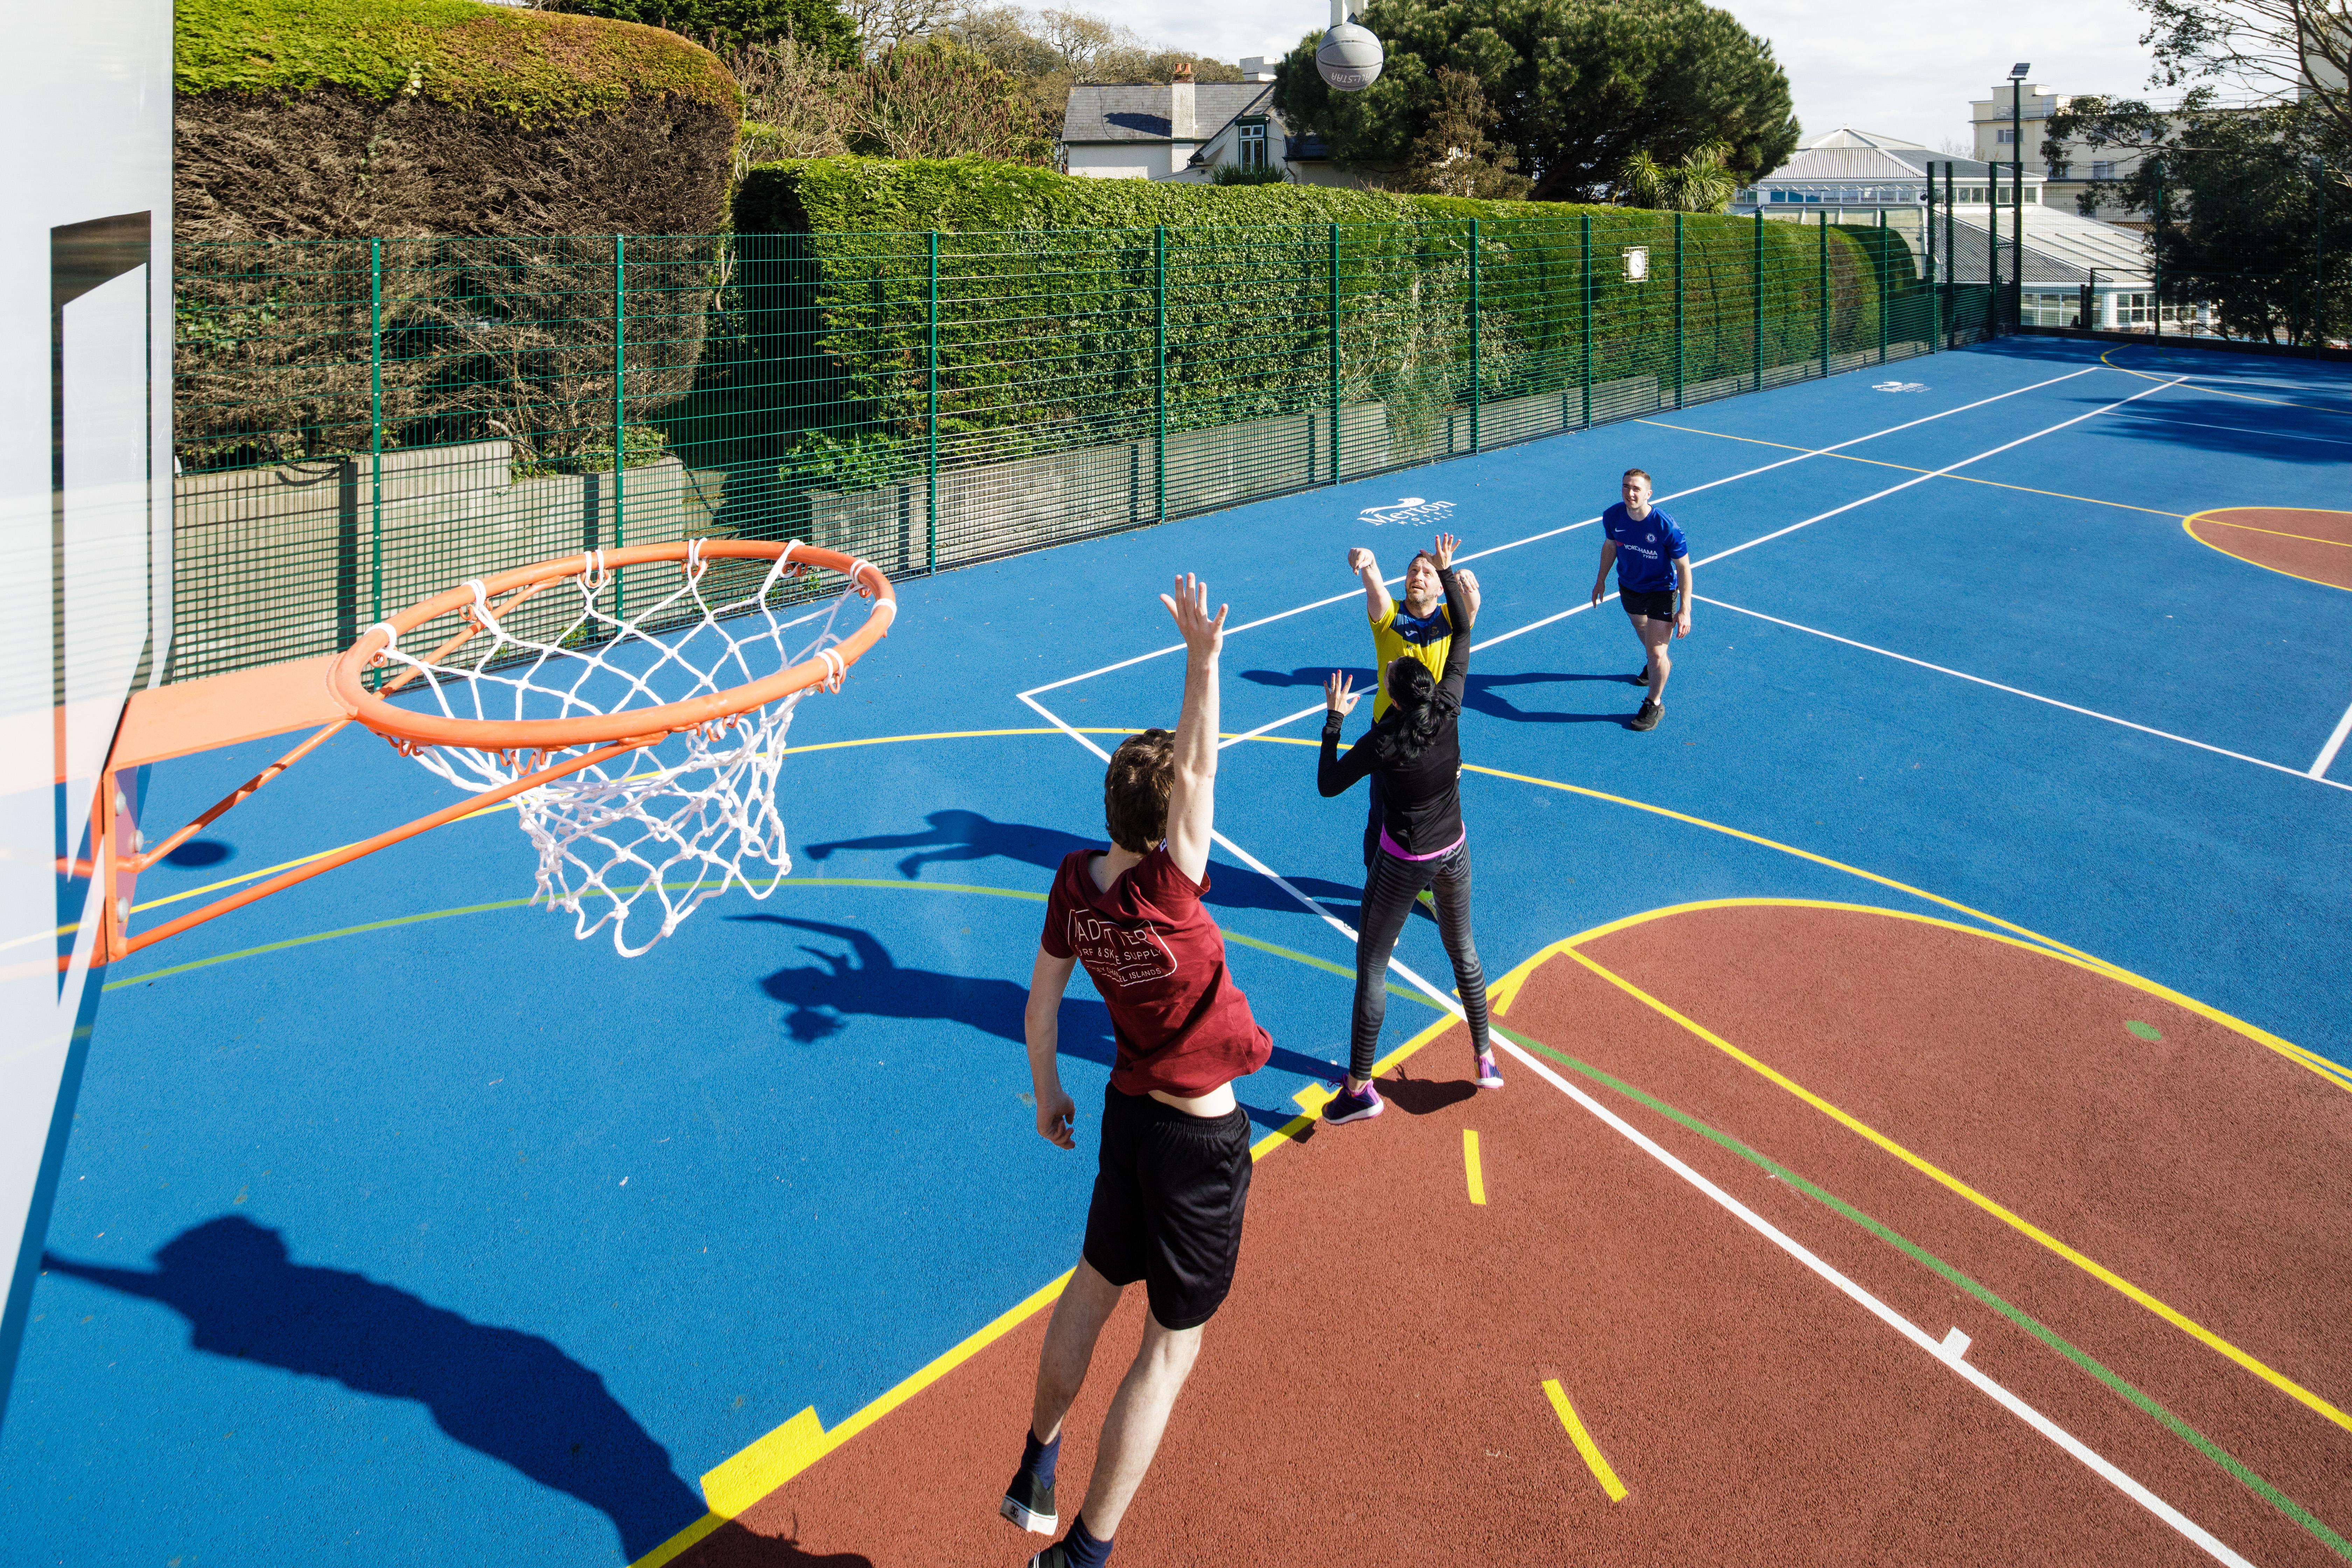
(1138, 112)
(2060, 248)
(1846, 136)
(1856, 157)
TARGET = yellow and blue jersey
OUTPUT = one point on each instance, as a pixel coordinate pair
(1399, 632)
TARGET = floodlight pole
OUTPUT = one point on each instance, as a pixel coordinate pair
(2017, 199)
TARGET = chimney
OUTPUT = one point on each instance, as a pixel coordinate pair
(1180, 105)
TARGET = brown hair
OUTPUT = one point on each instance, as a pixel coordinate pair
(1135, 789)
(1641, 474)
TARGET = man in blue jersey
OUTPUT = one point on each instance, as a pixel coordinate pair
(1654, 583)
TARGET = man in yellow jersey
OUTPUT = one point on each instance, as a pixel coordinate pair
(1419, 628)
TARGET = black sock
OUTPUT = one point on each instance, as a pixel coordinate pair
(1080, 1549)
(1039, 1458)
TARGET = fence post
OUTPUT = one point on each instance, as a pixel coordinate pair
(1756, 281)
(1335, 352)
(1160, 371)
(1951, 261)
(1678, 310)
(619, 426)
(931, 411)
(1881, 265)
(1474, 335)
(2319, 256)
(376, 426)
(1935, 272)
(1585, 220)
(2156, 256)
(1821, 284)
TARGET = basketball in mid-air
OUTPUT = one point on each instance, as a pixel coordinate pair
(1349, 58)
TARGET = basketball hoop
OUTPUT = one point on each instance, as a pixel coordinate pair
(642, 749)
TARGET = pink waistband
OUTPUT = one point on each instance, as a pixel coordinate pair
(1393, 848)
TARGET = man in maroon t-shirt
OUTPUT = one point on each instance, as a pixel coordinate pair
(1175, 1165)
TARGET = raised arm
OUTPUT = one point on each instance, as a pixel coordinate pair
(1193, 797)
(1334, 772)
(1376, 592)
(1457, 607)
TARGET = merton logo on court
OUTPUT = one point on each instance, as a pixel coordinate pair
(1898, 386)
(1123, 954)
(1406, 509)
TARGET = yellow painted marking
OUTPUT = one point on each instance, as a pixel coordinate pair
(2218, 391)
(1315, 1096)
(1470, 1164)
(2273, 532)
(2188, 526)
(1585, 1446)
(2090, 1266)
(1882, 463)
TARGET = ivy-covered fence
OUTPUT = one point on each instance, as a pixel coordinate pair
(362, 424)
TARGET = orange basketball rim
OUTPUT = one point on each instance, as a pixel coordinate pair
(174, 721)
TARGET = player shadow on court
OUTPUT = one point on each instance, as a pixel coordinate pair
(1480, 694)
(955, 836)
(819, 998)
(510, 1396)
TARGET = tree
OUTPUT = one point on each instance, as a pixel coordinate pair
(1454, 156)
(2271, 52)
(935, 98)
(1699, 183)
(727, 24)
(1577, 87)
(2237, 199)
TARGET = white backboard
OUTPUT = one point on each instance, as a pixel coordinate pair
(85, 532)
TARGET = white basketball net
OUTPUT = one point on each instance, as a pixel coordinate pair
(677, 821)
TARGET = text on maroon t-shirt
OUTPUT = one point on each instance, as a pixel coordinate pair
(1182, 1025)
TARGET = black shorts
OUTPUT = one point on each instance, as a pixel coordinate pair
(1656, 603)
(1168, 1205)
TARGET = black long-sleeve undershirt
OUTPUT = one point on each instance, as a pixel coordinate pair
(1420, 800)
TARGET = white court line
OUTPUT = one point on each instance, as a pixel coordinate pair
(1953, 1357)
(2342, 728)
(1570, 527)
(2241, 430)
(2335, 739)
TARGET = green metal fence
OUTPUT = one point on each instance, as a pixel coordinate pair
(361, 424)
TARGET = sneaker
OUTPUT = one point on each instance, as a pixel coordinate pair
(1029, 1503)
(1345, 1107)
(1647, 719)
(1052, 1557)
(1487, 1075)
(1643, 678)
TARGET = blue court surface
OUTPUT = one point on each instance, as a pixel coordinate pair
(397, 1226)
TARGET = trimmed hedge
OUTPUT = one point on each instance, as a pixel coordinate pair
(529, 65)
(398, 118)
(1050, 318)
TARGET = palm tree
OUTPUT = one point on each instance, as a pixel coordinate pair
(1698, 183)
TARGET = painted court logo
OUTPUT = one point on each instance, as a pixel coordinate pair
(1898, 386)
(1407, 508)
(1122, 955)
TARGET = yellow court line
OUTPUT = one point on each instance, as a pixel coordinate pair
(1882, 463)
(2092, 1267)
(2275, 534)
(1470, 1164)
(2188, 526)
(2200, 383)
(1583, 1441)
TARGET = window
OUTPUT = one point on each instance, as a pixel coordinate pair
(1249, 149)
(2045, 309)
(2004, 135)
(2102, 171)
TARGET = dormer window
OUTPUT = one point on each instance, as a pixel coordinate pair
(1249, 144)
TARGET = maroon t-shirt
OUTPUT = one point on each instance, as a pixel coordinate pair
(1181, 1023)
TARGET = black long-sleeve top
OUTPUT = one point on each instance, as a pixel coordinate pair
(1421, 801)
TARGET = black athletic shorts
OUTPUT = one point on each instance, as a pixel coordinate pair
(1168, 1205)
(1658, 603)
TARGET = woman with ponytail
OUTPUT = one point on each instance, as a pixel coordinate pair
(1414, 754)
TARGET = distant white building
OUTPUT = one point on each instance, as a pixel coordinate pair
(2062, 180)
(1187, 131)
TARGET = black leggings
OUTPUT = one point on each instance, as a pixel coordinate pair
(1390, 889)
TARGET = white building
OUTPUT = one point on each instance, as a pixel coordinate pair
(2062, 180)
(1187, 131)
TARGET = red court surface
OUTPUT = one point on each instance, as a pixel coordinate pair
(2301, 541)
(1373, 1390)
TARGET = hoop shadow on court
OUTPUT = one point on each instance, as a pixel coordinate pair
(1480, 694)
(957, 836)
(502, 1392)
(868, 981)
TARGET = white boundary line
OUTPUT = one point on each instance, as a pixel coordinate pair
(2342, 728)
(1953, 1359)
(1570, 527)
(2327, 758)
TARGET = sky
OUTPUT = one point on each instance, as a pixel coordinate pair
(1906, 69)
